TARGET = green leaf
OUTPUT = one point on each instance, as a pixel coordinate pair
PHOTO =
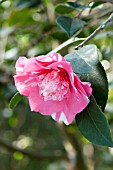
(70, 25)
(22, 4)
(94, 126)
(89, 53)
(82, 60)
(63, 9)
(15, 100)
(85, 62)
(20, 15)
(78, 64)
(99, 83)
(77, 6)
(97, 3)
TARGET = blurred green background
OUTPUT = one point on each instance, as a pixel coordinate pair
(28, 140)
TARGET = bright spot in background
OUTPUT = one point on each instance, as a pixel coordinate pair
(105, 64)
(5, 4)
(111, 151)
(18, 155)
(7, 112)
(23, 142)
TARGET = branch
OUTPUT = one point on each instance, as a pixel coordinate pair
(75, 38)
(101, 27)
(40, 157)
(75, 153)
(77, 145)
(64, 44)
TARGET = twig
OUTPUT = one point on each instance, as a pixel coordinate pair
(75, 38)
(102, 26)
(70, 41)
(40, 156)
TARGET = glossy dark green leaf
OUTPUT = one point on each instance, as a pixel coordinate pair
(82, 60)
(22, 4)
(78, 64)
(15, 100)
(77, 6)
(70, 25)
(89, 53)
(93, 125)
(63, 9)
(97, 3)
(99, 83)
(86, 64)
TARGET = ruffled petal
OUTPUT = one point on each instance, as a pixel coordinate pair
(87, 87)
(33, 66)
(35, 99)
(56, 57)
(62, 65)
(53, 57)
(76, 102)
(49, 107)
(21, 62)
(38, 104)
(60, 116)
(25, 82)
(46, 60)
(20, 84)
(72, 106)
(82, 87)
(64, 116)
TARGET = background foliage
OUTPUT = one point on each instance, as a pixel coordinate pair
(29, 141)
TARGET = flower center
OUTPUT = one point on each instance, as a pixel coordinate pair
(54, 85)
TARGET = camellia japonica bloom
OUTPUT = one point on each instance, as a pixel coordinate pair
(51, 86)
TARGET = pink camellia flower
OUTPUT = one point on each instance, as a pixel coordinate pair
(51, 86)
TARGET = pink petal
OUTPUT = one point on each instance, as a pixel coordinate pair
(87, 87)
(76, 102)
(38, 104)
(33, 66)
(20, 85)
(83, 88)
(35, 99)
(56, 57)
(49, 107)
(24, 83)
(46, 60)
(63, 64)
(60, 116)
(20, 64)
(53, 57)
(72, 106)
